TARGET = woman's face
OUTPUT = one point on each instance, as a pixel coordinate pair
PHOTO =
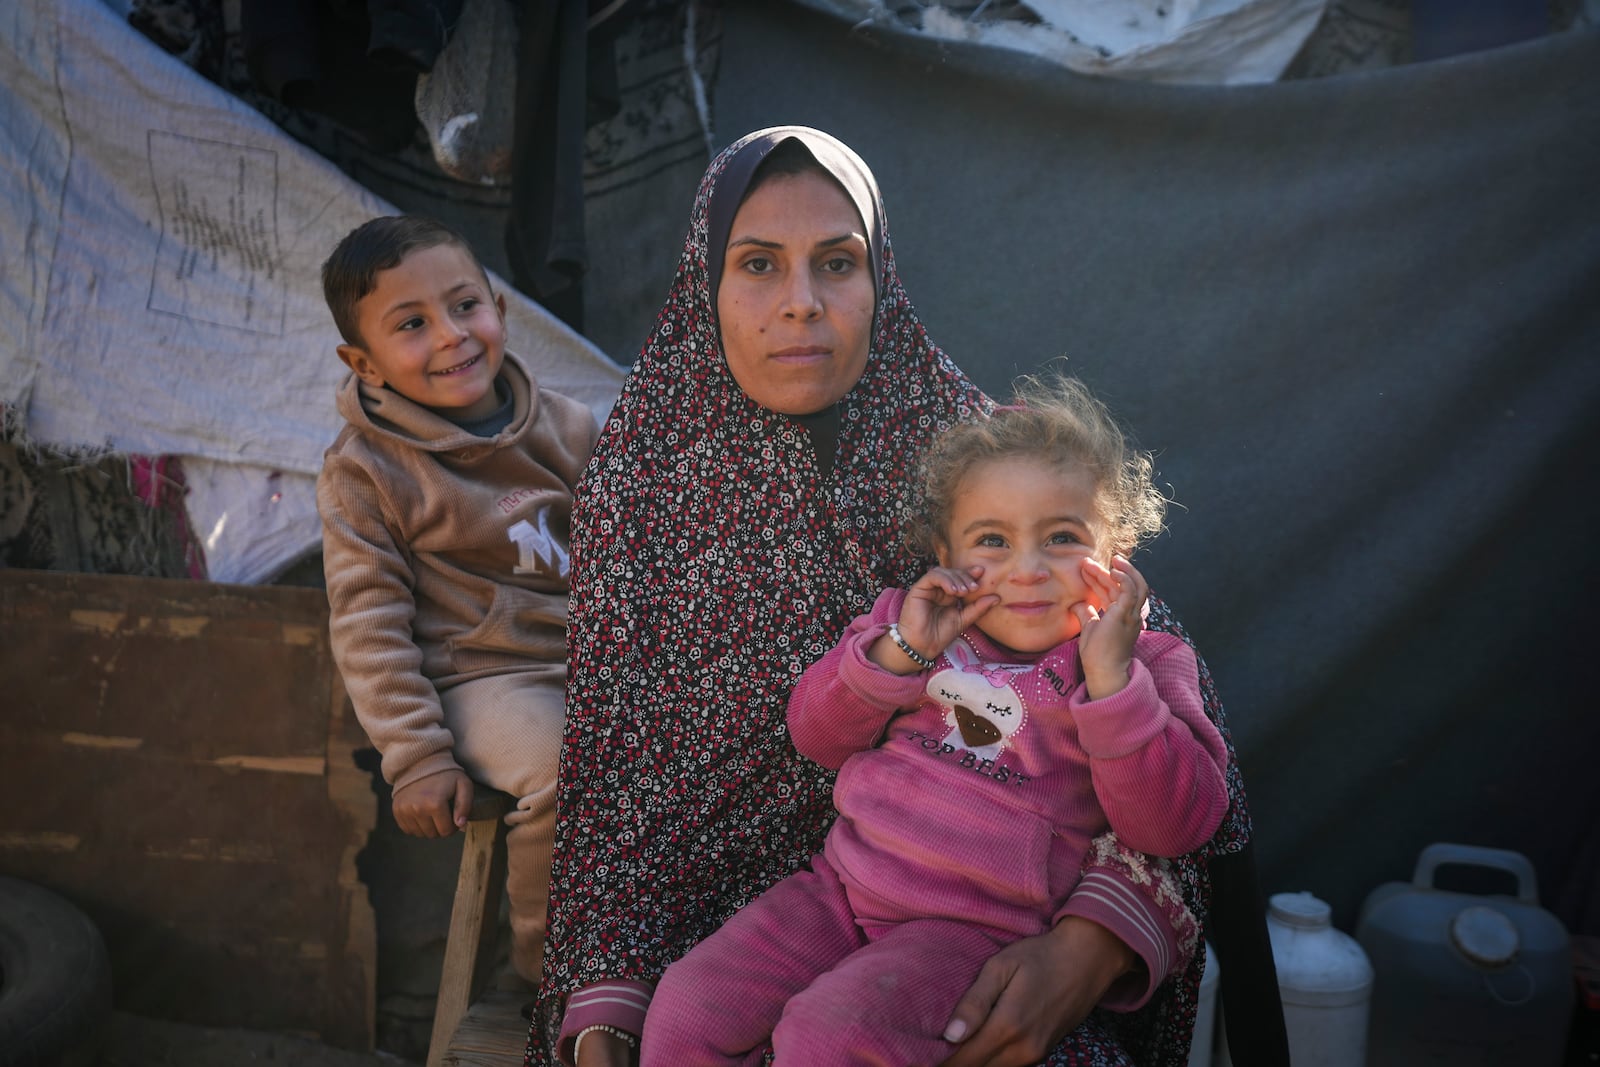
(797, 294)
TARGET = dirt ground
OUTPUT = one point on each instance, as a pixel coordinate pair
(135, 1041)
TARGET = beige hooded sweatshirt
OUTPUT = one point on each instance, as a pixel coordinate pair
(445, 554)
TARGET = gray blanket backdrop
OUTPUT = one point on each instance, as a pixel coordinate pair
(1359, 320)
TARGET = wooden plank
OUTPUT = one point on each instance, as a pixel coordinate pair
(493, 1033)
(121, 658)
(474, 919)
(177, 758)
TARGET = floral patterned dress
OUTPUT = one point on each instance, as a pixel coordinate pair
(713, 559)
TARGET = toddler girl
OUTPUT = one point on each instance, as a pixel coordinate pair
(986, 724)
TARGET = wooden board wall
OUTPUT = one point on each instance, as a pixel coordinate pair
(176, 758)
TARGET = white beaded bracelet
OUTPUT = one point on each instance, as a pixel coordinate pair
(630, 1039)
(912, 654)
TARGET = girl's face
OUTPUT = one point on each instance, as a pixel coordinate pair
(796, 298)
(1032, 525)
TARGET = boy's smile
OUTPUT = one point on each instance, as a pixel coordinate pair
(1031, 525)
(432, 331)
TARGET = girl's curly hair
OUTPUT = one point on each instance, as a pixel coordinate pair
(1057, 420)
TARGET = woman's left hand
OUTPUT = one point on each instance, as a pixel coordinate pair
(1034, 992)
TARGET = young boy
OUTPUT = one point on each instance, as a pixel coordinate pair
(445, 510)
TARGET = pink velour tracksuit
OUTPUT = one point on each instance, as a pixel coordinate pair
(962, 827)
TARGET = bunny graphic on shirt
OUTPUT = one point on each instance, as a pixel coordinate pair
(981, 708)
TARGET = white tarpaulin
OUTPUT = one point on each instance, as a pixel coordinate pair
(1196, 42)
(160, 249)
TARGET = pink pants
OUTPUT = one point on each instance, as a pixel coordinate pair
(795, 969)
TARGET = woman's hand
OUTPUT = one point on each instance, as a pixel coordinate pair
(1105, 647)
(935, 612)
(1034, 992)
(600, 1049)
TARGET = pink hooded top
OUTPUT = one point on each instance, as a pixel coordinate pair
(971, 791)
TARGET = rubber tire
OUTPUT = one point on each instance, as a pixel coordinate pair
(55, 980)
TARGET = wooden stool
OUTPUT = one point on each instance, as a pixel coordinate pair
(463, 1013)
(493, 1032)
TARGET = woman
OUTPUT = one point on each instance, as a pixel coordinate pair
(740, 509)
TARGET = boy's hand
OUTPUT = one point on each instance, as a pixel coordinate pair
(1106, 646)
(435, 806)
(934, 614)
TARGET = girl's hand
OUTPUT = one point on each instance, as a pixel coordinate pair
(1105, 647)
(938, 607)
(600, 1049)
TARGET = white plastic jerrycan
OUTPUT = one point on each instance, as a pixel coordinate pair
(1466, 979)
(1324, 979)
(1205, 1016)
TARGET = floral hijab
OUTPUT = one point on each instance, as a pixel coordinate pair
(713, 560)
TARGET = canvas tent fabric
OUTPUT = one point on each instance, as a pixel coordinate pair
(1220, 42)
(160, 289)
(1355, 315)
(1357, 319)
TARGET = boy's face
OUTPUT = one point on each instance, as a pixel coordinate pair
(432, 332)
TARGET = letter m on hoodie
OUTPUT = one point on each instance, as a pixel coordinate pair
(538, 551)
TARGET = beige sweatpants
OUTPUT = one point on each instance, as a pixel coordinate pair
(507, 731)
